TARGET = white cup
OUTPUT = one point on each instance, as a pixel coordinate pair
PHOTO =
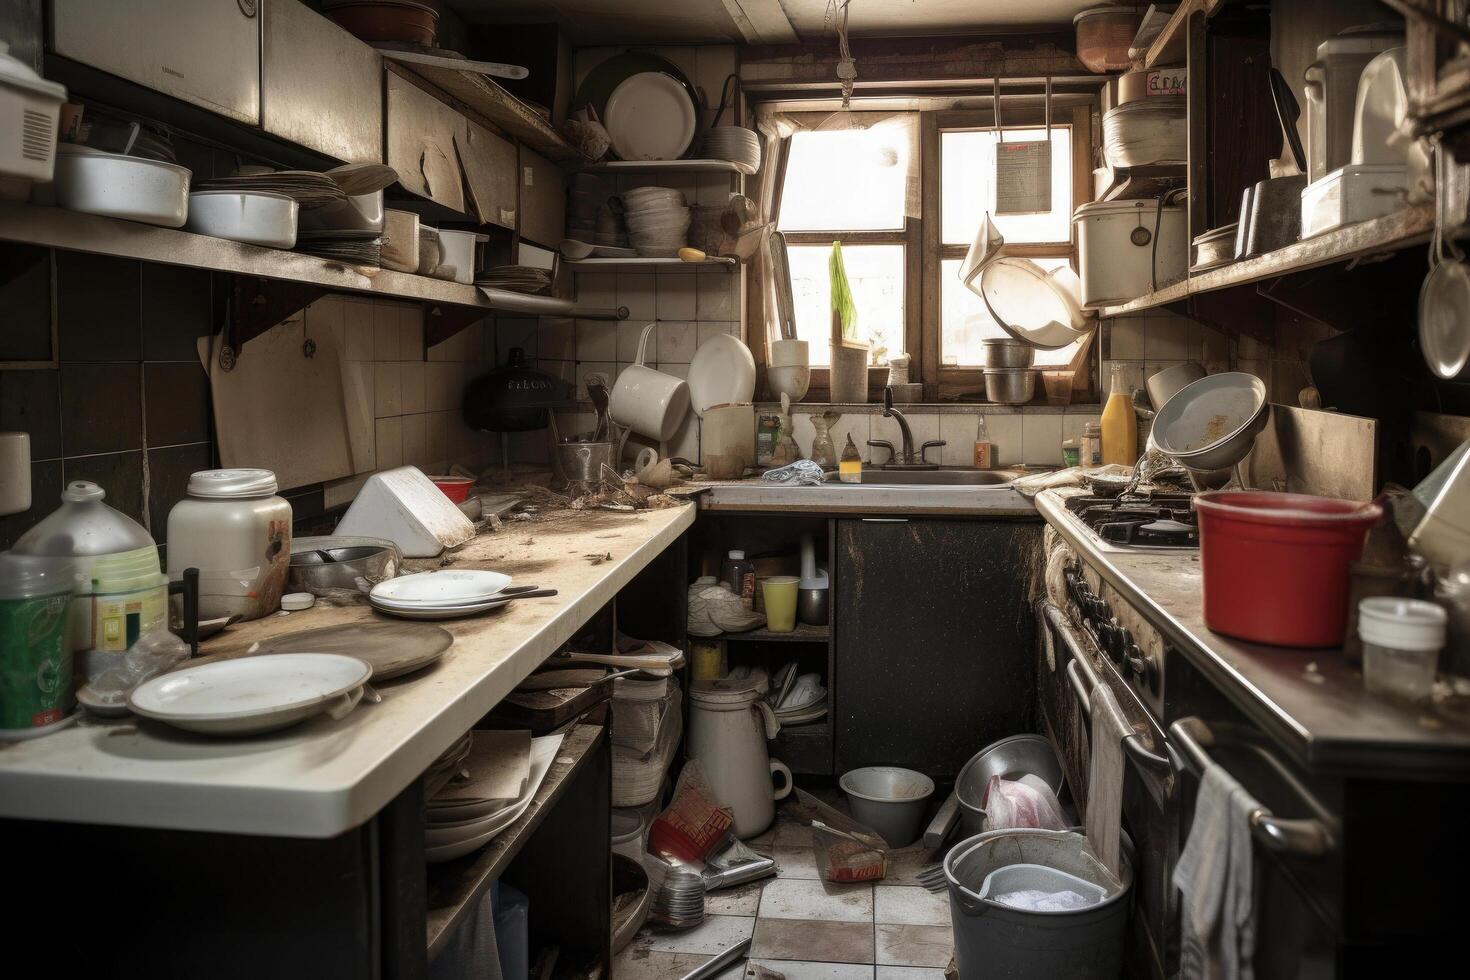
(789, 353)
(15, 472)
(646, 400)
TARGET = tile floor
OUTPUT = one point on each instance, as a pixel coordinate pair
(806, 928)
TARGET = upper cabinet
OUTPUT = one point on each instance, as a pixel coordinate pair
(206, 52)
(543, 200)
(322, 87)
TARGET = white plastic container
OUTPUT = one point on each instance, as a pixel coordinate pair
(1402, 639)
(254, 217)
(237, 532)
(118, 186)
(1117, 254)
(1332, 92)
(29, 107)
(1356, 192)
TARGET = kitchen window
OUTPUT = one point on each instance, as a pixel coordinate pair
(905, 193)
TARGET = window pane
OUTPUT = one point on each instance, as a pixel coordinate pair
(966, 321)
(968, 187)
(846, 181)
(875, 275)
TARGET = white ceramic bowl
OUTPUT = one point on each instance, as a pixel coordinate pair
(255, 218)
(793, 381)
(642, 197)
(721, 373)
(119, 186)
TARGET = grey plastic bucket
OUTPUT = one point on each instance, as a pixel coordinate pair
(996, 941)
(1009, 758)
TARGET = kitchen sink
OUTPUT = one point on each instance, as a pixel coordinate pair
(944, 477)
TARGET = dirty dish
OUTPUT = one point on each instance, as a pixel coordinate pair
(721, 373)
(255, 218)
(118, 186)
(1010, 758)
(390, 649)
(465, 840)
(452, 587)
(252, 695)
(1213, 423)
(650, 116)
(1444, 319)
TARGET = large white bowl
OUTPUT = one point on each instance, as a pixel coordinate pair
(119, 186)
(254, 217)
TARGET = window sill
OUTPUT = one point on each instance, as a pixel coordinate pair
(936, 408)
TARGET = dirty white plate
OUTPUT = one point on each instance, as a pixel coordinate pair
(252, 694)
(650, 117)
(432, 613)
(722, 373)
(452, 587)
(457, 842)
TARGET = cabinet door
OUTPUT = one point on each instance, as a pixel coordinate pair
(206, 52)
(320, 86)
(490, 172)
(934, 640)
(543, 200)
(424, 137)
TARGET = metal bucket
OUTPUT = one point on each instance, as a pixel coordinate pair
(997, 941)
(1010, 758)
(581, 462)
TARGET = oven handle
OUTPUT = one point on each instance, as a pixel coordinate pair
(1311, 837)
(1078, 664)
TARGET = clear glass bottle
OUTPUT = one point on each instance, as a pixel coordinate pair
(823, 452)
(984, 448)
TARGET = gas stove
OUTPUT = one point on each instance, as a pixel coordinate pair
(1164, 522)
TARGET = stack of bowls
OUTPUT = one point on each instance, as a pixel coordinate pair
(1009, 377)
(740, 146)
(658, 220)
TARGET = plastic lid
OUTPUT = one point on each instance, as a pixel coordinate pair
(17, 73)
(32, 576)
(1401, 624)
(737, 554)
(232, 484)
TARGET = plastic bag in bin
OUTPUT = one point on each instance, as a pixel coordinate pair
(1027, 802)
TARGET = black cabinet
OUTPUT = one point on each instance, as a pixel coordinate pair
(934, 640)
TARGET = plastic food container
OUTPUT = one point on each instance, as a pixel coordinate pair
(117, 186)
(255, 217)
(1402, 639)
(1350, 194)
(1275, 565)
(29, 107)
(1116, 249)
(237, 532)
(1104, 35)
(35, 647)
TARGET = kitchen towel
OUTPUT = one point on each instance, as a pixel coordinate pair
(1104, 820)
(1214, 876)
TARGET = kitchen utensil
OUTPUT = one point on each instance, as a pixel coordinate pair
(581, 463)
(599, 83)
(386, 20)
(1214, 248)
(650, 116)
(1147, 133)
(1213, 423)
(1270, 216)
(812, 605)
(390, 649)
(1332, 90)
(118, 186)
(722, 372)
(646, 400)
(514, 398)
(1275, 565)
(324, 565)
(1035, 306)
(1444, 318)
(729, 725)
(1010, 758)
(413, 54)
(597, 394)
(400, 251)
(1117, 252)
(253, 695)
(1165, 384)
(1104, 35)
(233, 527)
(888, 799)
(1006, 352)
(574, 249)
(1010, 386)
(404, 507)
(1288, 111)
(449, 587)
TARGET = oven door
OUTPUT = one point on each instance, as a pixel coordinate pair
(1148, 811)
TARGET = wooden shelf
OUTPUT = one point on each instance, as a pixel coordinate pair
(646, 262)
(76, 232)
(1170, 47)
(802, 634)
(667, 166)
(455, 887)
(1404, 229)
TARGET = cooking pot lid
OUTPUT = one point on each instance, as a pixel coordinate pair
(729, 691)
(232, 484)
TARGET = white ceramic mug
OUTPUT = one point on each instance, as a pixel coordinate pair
(648, 401)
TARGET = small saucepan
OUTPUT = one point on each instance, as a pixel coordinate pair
(1212, 424)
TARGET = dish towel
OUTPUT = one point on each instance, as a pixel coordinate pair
(1104, 820)
(1214, 876)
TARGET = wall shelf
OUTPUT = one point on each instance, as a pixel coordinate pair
(1390, 233)
(1170, 47)
(667, 166)
(646, 262)
(802, 634)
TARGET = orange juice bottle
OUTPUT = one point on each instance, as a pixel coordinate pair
(1119, 430)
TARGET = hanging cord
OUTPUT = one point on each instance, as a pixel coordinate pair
(846, 64)
(1153, 259)
(728, 97)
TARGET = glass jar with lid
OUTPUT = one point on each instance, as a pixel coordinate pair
(235, 529)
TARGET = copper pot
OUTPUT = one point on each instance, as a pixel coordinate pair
(397, 21)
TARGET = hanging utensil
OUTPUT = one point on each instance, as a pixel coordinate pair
(1022, 168)
(1288, 110)
(597, 393)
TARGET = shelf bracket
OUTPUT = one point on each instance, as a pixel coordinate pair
(442, 322)
(256, 305)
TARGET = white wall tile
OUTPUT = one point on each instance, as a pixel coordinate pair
(1214, 345)
(411, 333)
(436, 442)
(387, 390)
(958, 433)
(557, 339)
(1041, 439)
(358, 322)
(390, 443)
(676, 295)
(1074, 425)
(1127, 337)
(325, 318)
(512, 332)
(411, 376)
(1006, 437)
(415, 440)
(597, 340)
(385, 332)
(638, 291)
(717, 294)
(676, 342)
(597, 288)
(708, 329)
(1171, 339)
(442, 384)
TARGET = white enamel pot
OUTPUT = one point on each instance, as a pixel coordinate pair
(648, 401)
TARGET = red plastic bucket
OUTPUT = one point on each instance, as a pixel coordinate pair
(1276, 564)
(456, 488)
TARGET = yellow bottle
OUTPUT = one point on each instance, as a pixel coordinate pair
(1119, 430)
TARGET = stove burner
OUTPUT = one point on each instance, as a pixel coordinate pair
(1161, 522)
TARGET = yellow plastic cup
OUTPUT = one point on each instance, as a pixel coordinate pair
(779, 592)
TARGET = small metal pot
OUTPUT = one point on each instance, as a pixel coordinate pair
(581, 462)
(811, 606)
(334, 564)
(1010, 386)
(1005, 352)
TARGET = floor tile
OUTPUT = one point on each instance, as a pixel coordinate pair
(798, 898)
(743, 900)
(789, 832)
(638, 962)
(796, 861)
(929, 946)
(908, 973)
(715, 934)
(904, 865)
(910, 905)
(799, 939)
(806, 970)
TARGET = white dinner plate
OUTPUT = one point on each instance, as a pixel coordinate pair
(252, 694)
(650, 117)
(722, 373)
(433, 613)
(451, 587)
(543, 753)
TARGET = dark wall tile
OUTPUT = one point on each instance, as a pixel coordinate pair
(25, 298)
(30, 401)
(98, 299)
(101, 408)
(176, 404)
(168, 480)
(120, 474)
(45, 497)
(307, 503)
(176, 309)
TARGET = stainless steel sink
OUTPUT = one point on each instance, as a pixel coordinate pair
(934, 478)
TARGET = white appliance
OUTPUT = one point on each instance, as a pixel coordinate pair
(1118, 256)
(1332, 90)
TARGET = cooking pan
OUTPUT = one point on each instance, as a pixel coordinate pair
(1170, 381)
(1212, 424)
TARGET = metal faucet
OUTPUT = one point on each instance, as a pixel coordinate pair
(907, 458)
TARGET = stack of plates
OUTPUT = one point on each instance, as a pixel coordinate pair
(347, 247)
(740, 146)
(440, 595)
(309, 188)
(797, 699)
(456, 826)
(516, 278)
(658, 220)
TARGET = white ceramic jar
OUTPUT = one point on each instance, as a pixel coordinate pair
(237, 532)
(729, 724)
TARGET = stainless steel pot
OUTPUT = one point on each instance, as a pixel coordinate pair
(1213, 423)
(1006, 352)
(1168, 382)
(581, 462)
(341, 563)
(1010, 386)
